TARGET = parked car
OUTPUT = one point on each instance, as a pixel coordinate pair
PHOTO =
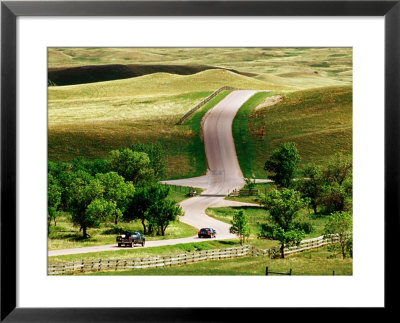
(207, 233)
(131, 238)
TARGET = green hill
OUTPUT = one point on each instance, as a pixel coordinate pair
(92, 119)
(319, 121)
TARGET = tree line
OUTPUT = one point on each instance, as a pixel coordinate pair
(325, 190)
(122, 187)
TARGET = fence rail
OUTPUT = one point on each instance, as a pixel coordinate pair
(253, 192)
(77, 267)
(204, 101)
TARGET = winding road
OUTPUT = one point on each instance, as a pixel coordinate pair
(223, 176)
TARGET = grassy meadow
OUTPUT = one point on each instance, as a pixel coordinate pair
(318, 120)
(257, 216)
(92, 119)
(315, 262)
(298, 67)
(306, 97)
(65, 235)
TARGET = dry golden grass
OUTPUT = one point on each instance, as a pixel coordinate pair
(92, 119)
(288, 64)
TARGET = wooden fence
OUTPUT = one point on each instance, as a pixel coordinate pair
(204, 101)
(247, 192)
(183, 258)
(157, 261)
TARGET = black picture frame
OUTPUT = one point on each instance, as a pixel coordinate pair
(10, 10)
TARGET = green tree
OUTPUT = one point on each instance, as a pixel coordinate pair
(283, 164)
(133, 166)
(156, 155)
(63, 174)
(82, 192)
(283, 223)
(162, 213)
(53, 199)
(338, 184)
(339, 168)
(100, 210)
(92, 167)
(117, 191)
(240, 226)
(139, 205)
(341, 223)
(312, 186)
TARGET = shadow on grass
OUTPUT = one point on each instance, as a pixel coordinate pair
(246, 207)
(74, 237)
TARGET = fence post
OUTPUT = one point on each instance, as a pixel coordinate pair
(290, 272)
(266, 271)
(333, 273)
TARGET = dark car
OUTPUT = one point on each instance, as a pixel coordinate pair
(207, 233)
(131, 238)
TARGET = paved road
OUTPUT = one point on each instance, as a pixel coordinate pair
(223, 175)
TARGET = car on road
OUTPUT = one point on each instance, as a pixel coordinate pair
(130, 239)
(207, 233)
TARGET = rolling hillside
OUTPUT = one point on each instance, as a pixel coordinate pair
(288, 64)
(93, 119)
(99, 73)
(90, 119)
(319, 121)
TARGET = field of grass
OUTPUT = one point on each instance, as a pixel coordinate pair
(64, 235)
(257, 216)
(260, 187)
(319, 121)
(94, 118)
(100, 73)
(245, 150)
(285, 67)
(138, 252)
(148, 86)
(180, 193)
(314, 262)
(182, 144)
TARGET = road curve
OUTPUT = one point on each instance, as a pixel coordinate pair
(223, 175)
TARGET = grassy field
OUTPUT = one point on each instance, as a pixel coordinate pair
(315, 262)
(257, 216)
(183, 145)
(94, 118)
(109, 72)
(319, 121)
(138, 252)
(260, 187)
(64, 235)
(286, 67)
